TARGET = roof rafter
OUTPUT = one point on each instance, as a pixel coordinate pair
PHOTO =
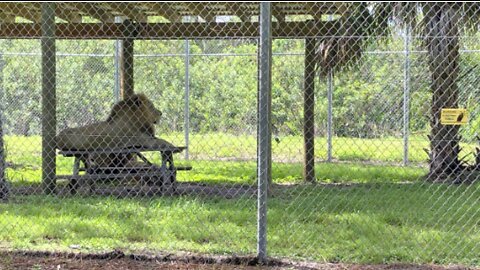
(277, 12)
(201, 10)
(164, 10)
(7, 18)
(301, 29)
(67, 14)
(20, 10)
(129, 10)
(92, 10)
(237, 10)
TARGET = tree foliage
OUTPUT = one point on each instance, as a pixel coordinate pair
(368, 100)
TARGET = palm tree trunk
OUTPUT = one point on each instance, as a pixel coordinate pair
(443, 55)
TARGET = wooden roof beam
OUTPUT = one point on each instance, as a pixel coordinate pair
(129, 10)
(201, 10)
(164, 10)
(61, 11)
(6, 18)
(277, 12)
(65, 14)
(317, 9)
(237, 10)
(94, 11)
(20, 10)
(159, 31)
(343, 9)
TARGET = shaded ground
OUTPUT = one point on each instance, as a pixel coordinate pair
(227, 191)
(118, 260)
(183, 188)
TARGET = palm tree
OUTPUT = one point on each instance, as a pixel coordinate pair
(440, 25)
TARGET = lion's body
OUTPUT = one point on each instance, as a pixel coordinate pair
(130, 124)
(114, 134)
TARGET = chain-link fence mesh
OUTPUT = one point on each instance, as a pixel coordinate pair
(144, 127)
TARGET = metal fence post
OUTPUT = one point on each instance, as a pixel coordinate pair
(49, 119)
(329, 110)
(264, 141)
(406, 97)
(118, 48)
(187, 97)
(329, 115)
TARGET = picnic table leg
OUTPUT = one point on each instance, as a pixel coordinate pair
(91, 181)
(172, 173)
(73, 184)
(168, 172)
(163, 171)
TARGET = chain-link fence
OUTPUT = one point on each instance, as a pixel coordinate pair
(299, 130)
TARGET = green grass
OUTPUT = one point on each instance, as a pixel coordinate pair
(223, 157)
(245, 172)
(238, 172)
(388, 215)
(371, 223)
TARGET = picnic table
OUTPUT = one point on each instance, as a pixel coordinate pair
(163, 175)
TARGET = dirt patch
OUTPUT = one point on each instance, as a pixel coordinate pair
(117, 260)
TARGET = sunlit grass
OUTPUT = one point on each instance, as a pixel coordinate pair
(421, 223)
(226, 157)
(383, 212)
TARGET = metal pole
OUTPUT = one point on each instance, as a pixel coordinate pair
(264, 142)
(49, 119)
(406, 97)
(329, 115)
(118, 48)
(329, 110)
(187, 97)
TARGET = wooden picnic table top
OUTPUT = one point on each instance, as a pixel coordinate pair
(74, 152)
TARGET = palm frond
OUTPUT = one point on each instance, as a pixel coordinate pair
(369, 23)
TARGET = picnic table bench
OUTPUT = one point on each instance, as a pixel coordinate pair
(163, 175)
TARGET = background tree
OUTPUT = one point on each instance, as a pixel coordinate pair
(440, 25)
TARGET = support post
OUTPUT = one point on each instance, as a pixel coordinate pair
(187, 98)
(126, 61)
(406, 97)
(309, 111)
(329, 115)
(264, 141)
(49, 119)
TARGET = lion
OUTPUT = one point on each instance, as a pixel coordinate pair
(130, 124)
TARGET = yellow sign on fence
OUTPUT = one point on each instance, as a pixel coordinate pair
(454, 117)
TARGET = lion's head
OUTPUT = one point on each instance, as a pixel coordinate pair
(137, 108)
